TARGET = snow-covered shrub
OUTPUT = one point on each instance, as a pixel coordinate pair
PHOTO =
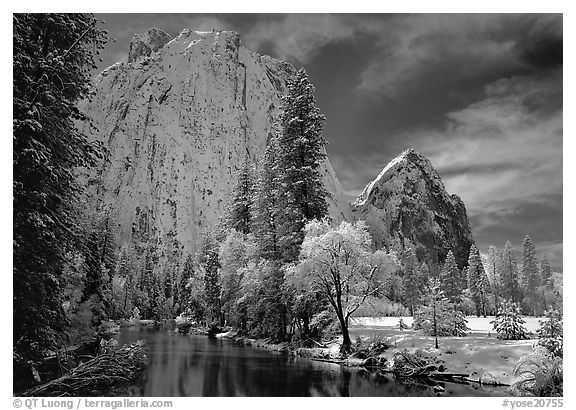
(509, 323)
(538, 374)
(183, 322)
(376, 347)
(550, 333)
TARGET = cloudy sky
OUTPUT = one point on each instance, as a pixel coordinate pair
(478, 94)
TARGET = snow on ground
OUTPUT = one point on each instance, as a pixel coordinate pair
(477, 354)
(476, 324)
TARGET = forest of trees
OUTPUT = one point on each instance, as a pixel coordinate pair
(53, 58)
(275, 267)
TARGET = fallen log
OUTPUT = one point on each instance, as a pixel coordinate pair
(447, 375)
(112, 369)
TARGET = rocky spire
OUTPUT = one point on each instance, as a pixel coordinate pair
(408, 205)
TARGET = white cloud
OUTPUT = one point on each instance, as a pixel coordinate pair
(298, 36)
(508, 155)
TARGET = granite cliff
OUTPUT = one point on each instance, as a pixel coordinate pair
(178, 119)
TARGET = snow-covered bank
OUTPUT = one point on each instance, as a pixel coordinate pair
(480, 354)
(475, 324)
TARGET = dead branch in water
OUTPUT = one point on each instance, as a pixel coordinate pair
(111, 369)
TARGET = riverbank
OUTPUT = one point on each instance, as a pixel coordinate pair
(197, 365)
(480, 353)
(480, 356)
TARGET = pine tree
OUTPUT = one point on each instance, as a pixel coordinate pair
(272, 297)
(266, 205)
(551, 333)
(185, 276)
(493, 268)
(439, 317)
(413, 279)
(450, 279)
(478, 281)
(240, 211)
(210, 265)
(53, 58)
(509, 275)
(530, 276)
(546, 273)
(509, 323)
(300, 153)
(125, 270)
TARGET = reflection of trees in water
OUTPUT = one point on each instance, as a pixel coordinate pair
(210, 379)
(173, 367)
(197, 366)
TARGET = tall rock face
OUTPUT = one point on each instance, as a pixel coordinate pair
(179, 118)
(407, 205)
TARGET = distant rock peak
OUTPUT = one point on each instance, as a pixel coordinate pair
(408, 156)
(407, 205)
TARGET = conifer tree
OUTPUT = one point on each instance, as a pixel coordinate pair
(413, 280)
(185, 276)
(438, 316)
(240, 211)
(546, 272)
(450, 279)
(266, 205)
(509, 323)
(478, 281)
(509, 275)
(493, 268)
(126, 270)
(530, 276)
(210, 265)
(551, 333)
(300, 153)
(53, 58)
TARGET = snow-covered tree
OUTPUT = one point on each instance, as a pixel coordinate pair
(493, 268)
(300, 153)
(450, 279)
(546, 272)
(181, 286)
(531, 278)
(339, 263)
(509, 275)
(266, 204)
(478, 281)
(551, 333)
(53, 58)
(438, 316)
(509, 323)
(210, 266)
(240, 209)
(414, 281)
(235, 253)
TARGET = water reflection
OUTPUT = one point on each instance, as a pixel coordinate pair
(186, 365)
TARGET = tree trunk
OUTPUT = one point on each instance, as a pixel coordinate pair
(435, 327)
(346, 342)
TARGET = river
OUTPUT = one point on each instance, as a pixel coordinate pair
(189, 365)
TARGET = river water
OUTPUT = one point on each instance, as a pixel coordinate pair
(189, 365)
